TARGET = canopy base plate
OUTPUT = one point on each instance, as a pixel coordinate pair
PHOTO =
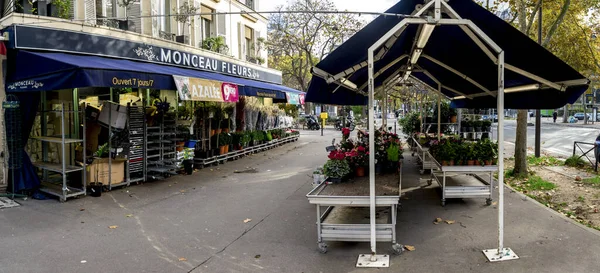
(506, 255)
(364, 260)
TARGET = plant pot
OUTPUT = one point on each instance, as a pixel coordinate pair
(218, 131)
(316, 178)
(477, 163)
(179, 145)
(451, 163)
(488, 162)
(360, 171)
(378, 168)
(229, 148)
(212, 132)
(445, 163)
(335, 180)
(226, 130)
(453, 119)
(470, 162)
(96, 189)
(188, 166)
(222, 150)
(477, 129)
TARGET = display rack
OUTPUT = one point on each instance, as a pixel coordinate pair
(161, 148)
(136, 161)
(354, 232)
(464, 181)
(60, 188)
(424, 159)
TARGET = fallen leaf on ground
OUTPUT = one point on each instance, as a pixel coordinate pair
(257, 257)
(247, 220)
(182, 191)
(182, 259)
(450, 222)
(494, 203)
(81, 209)
(437, 221)
(129, 215)
(83, 261)
(113, 227)
(409, 248)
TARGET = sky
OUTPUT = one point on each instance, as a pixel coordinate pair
(350, 5)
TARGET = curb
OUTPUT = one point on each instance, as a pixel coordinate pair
(575, 125)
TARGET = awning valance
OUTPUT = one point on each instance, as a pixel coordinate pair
(43, 71)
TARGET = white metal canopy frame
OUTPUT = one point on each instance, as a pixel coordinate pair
(427, 26)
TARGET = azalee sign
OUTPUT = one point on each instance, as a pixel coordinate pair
(50, 39)
(195, 89)
(197, 61)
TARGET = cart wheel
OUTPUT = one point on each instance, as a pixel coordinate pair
(429, 182)
(323, 248)
(488, 201)
(443, 203)
(413, 154)
(399, 208)
(398, 249)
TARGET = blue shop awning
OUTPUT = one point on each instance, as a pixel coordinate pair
(43, 71)
(450, 46)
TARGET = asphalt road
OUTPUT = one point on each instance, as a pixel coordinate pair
(556, 140)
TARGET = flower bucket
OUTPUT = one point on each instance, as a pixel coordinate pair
(360, 171)
(191, 143)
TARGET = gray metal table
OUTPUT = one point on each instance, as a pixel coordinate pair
(464, 181)
(354, 232)
(425, 159)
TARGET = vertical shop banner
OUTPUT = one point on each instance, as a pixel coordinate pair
(198, 89)
(230, 92)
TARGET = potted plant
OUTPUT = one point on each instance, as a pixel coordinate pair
(393, 156)
(470, 153)
(224, 141)
(316, 177)
(362, 160)
(336, 168)
(477, 126)
(465, 126)
(452, 113)
(245, 139)
(188, 160)
(487, 125)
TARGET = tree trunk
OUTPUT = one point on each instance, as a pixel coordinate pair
(565, 114)
(521, 144)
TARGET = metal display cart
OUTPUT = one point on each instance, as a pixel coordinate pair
(354, 232)
(58, 186)
(464, 181)
(424, 159)
(220, 159)
(161, 148)
(136, 159)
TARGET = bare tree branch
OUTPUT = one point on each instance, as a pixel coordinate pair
(559, 19)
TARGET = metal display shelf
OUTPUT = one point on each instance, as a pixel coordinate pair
(220, 159)
(354, 232)
(61, 189)
(424, 159)
(464, 181)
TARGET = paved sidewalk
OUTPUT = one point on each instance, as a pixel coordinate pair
(196, 224)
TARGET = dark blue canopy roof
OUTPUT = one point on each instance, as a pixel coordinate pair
(37, 71)
(451, 46)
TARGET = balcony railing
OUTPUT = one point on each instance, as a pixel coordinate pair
(120, 24)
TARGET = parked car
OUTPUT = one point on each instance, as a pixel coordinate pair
(579, 116)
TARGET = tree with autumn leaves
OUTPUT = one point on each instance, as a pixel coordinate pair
(569, 28)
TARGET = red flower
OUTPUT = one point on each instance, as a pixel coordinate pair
(361, 148)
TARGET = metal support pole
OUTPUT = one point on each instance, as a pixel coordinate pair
(500, 107)
(439, 116)
(538, 112)
(372, 156)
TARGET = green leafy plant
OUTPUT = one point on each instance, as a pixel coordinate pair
(224, 139)
(63, 8)
(269, 136)
(410, 123)
(393, 152)
(215, 44)
(574, 161)
(336, 168)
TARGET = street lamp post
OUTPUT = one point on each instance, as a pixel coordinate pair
(538, 112)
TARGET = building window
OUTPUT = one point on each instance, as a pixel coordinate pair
(206, 22)
(248, 3)
(249, 36)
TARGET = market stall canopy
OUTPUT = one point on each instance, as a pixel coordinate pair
(447, 54)
(42, 71)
